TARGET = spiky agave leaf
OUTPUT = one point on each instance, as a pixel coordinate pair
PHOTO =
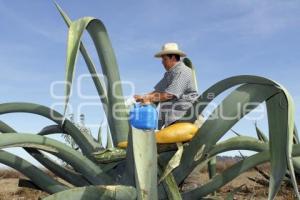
(228, 175)
(100, 157)
(212, 163)
(51, 129)
(100, 134)
(212, 130)
(230, 196)
(80, 163)
(236, 133)
(169, 185)
(266, 176)
(145, 157)
(281, 126)
(244, 143)
(60, 171)
(40, 178)
(260, 134)
(189, 63)
(117, 192)
(84, 141)
(118, 121)
(68, 175)
(109, 141)
(128, 176)
(296, 136)
(212, 171)
(238, 143)
(235, 143)
(232, 172)
(283, 153)
(99, 83)
(109, 155)
(5, 128)
(173, 163)
(213, 91)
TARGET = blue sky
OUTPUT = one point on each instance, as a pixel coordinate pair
(223, 39)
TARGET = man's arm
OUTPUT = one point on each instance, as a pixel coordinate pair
(154, 97)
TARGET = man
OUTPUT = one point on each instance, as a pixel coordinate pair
(176, 91)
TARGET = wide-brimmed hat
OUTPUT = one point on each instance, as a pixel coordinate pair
(170, 48)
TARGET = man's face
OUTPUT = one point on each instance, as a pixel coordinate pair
(167, 61)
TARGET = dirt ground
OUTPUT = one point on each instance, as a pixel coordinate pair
(249, 190)
(9, 189)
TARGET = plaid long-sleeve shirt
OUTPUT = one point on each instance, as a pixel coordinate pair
(178, 80)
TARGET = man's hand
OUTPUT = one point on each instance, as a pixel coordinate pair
(153, 97)
(138, 98)
(143, 99)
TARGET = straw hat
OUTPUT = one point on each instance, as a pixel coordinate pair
(170, 48)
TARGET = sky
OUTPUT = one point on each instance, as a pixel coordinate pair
(222, 38)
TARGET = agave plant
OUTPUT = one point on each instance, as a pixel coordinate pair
(145, 170)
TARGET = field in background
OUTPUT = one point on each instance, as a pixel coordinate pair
(249, 189)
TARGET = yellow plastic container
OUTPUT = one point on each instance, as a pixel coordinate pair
(178, 132)
(123, 144)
